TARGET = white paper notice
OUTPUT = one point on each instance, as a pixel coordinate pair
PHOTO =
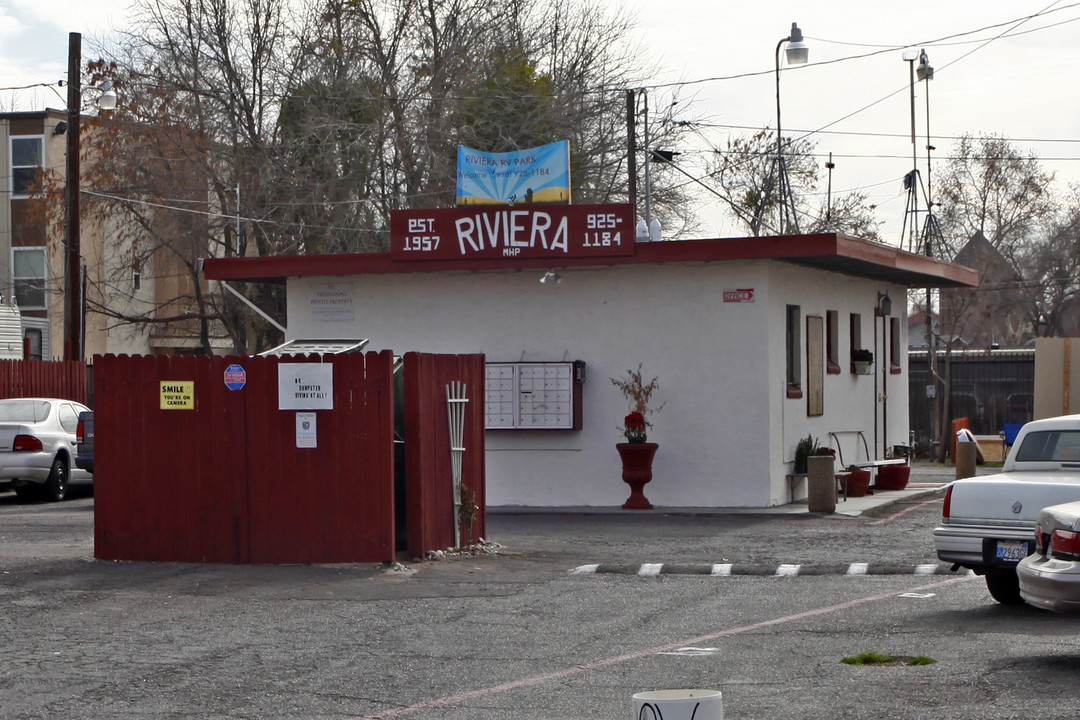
(305, 386)
(306, 435)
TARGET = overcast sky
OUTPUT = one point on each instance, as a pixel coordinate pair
(995, 72)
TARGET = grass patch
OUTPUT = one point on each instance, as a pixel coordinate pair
(873, 658)
(869, 658)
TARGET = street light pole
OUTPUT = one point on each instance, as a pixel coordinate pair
(913, 177)
(73, 302)
(797, 54)
(930, 228)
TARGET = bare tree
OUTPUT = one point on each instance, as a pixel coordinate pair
(990, 187)
(997, 209)
(744, 177)
(271, 127)
(201, 83)
(1051, 270)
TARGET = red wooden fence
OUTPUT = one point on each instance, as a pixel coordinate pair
(430, 492)
(225, 482)
(44, 378)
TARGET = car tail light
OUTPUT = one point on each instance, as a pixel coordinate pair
(26, 443)
(948, 503)
(79, 432)
(1041, 539)
(1065, 545)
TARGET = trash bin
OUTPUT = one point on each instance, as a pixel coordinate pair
(820, 484)
(965, 459)
(679, 705)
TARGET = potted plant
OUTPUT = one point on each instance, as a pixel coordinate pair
(858, 481)
(803, 450)
(637, 452)
(863, 360)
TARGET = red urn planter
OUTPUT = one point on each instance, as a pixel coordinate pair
(892, 477)
(858, 482)
(636, 472)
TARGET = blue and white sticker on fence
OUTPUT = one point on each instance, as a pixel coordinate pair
(235, 377)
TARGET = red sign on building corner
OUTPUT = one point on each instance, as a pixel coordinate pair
(742, 295)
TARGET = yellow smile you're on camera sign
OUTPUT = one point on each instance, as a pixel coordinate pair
(177, 394)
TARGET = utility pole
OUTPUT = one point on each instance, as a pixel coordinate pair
(73, 303)
(631, 149)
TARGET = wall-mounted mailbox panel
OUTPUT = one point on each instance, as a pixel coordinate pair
(533, 396)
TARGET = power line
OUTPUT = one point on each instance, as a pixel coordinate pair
(884, 49)
(854, 133)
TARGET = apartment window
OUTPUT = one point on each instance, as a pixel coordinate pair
(832, 342)
(856, 334)
(26, 162)
(28, 274)
(894, 345)
(794, 352)
(37, 345)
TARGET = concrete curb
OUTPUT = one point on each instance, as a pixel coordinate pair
(851, 508)
(779, 570)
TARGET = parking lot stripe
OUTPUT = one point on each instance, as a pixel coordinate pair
(650, 569)
(721, 569)
(788, 570)
(448, 700)
(858, 568)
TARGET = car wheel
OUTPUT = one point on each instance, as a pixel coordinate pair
(1004, 586)
(56, 485)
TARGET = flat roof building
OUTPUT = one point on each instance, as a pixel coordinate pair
(750, 339)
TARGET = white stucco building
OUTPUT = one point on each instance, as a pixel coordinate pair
(750, 339)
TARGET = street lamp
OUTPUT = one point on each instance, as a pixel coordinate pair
(797, 54)
(924, 71)
(74, 309)
(930, 228)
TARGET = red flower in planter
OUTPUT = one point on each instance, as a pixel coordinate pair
(635, 425)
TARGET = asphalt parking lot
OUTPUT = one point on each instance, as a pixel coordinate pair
(517, 632)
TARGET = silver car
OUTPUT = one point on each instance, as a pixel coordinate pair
(1050, 576)
(37, 446)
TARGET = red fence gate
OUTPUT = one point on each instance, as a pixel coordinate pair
(221, 478)
(429, 490)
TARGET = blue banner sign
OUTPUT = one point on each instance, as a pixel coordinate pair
(525, 177)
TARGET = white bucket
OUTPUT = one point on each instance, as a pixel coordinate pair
(679, 705)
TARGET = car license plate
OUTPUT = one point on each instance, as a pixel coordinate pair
(1012, 550)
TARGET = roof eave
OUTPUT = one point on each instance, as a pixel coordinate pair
(825, 251)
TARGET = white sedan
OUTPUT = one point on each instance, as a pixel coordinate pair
(37, 446)
(1050, 576)
(987, 522)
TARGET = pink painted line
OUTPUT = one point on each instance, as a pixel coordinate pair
(638, 654)
(905, 511)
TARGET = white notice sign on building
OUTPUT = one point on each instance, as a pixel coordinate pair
(333, 301)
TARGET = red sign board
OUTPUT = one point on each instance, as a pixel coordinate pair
(743, 295)
(512, 232)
